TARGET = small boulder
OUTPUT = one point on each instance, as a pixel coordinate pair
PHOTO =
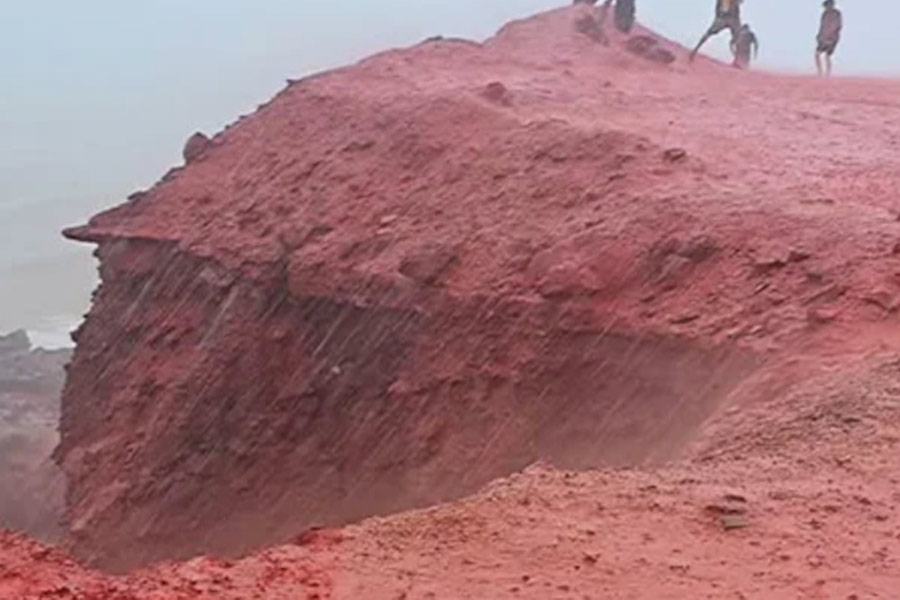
(497, 93)
(730, 511)
(648, 47)
(387, 220)
(796, 255)
(195, 147)
(430, 264)
(675, 155)
(684, 319)
(769, 259)
(732, 522)
(883, 299)
(699, 248)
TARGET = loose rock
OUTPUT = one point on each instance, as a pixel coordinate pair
(196, 147)
(430, 264)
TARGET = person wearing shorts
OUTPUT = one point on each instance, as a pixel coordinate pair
(745, 47)
(728, 16)
(829, 35)
(624, 15)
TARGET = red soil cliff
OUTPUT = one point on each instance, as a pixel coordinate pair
(398, 281)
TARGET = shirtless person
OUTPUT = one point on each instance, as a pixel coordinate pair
(741, 47)
(728, 16)
(829, 35)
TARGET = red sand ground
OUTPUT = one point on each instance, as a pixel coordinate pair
(803, 507)
(701, 204)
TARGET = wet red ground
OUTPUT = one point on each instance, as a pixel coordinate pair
(713, 206)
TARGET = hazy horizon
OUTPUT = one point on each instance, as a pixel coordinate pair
(100, 95)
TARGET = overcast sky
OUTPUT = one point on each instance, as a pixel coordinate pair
(98, 96)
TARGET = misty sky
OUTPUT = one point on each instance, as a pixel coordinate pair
(98, 96)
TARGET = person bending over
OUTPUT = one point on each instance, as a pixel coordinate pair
(728, 16)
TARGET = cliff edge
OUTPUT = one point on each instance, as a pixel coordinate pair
(398, 281)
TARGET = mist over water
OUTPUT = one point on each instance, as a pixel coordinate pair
(46, 281)
(46, 298)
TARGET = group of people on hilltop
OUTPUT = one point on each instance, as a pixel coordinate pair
(624, 12)
(744, 43)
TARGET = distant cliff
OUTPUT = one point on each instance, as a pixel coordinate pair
(31, 487)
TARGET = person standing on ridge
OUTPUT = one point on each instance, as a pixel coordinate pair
(593, 21)
(728, 16)
(741, 47)
(624, 15)
(624, 12)
(829, 35)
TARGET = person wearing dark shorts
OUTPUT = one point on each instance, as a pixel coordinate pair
(728, 16)
(829, 35)
(624, 15)
(745, 47)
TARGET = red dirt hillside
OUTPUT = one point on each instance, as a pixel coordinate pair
(400, 281)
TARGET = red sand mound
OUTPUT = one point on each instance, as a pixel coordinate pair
(31, 572)
(399, 281)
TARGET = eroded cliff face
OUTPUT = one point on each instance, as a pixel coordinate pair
(398, 281)
(249, 413)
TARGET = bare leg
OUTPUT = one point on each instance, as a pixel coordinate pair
(604, 12)
(733, 44)
(702, 41)
(828, 64)
(819, 63)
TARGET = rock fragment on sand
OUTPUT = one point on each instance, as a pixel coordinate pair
(648, 47)
(730, 511)
(195, 147)
(429, 264)
(497, 93)
(674, 155)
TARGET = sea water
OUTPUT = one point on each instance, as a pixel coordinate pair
(45, 281)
